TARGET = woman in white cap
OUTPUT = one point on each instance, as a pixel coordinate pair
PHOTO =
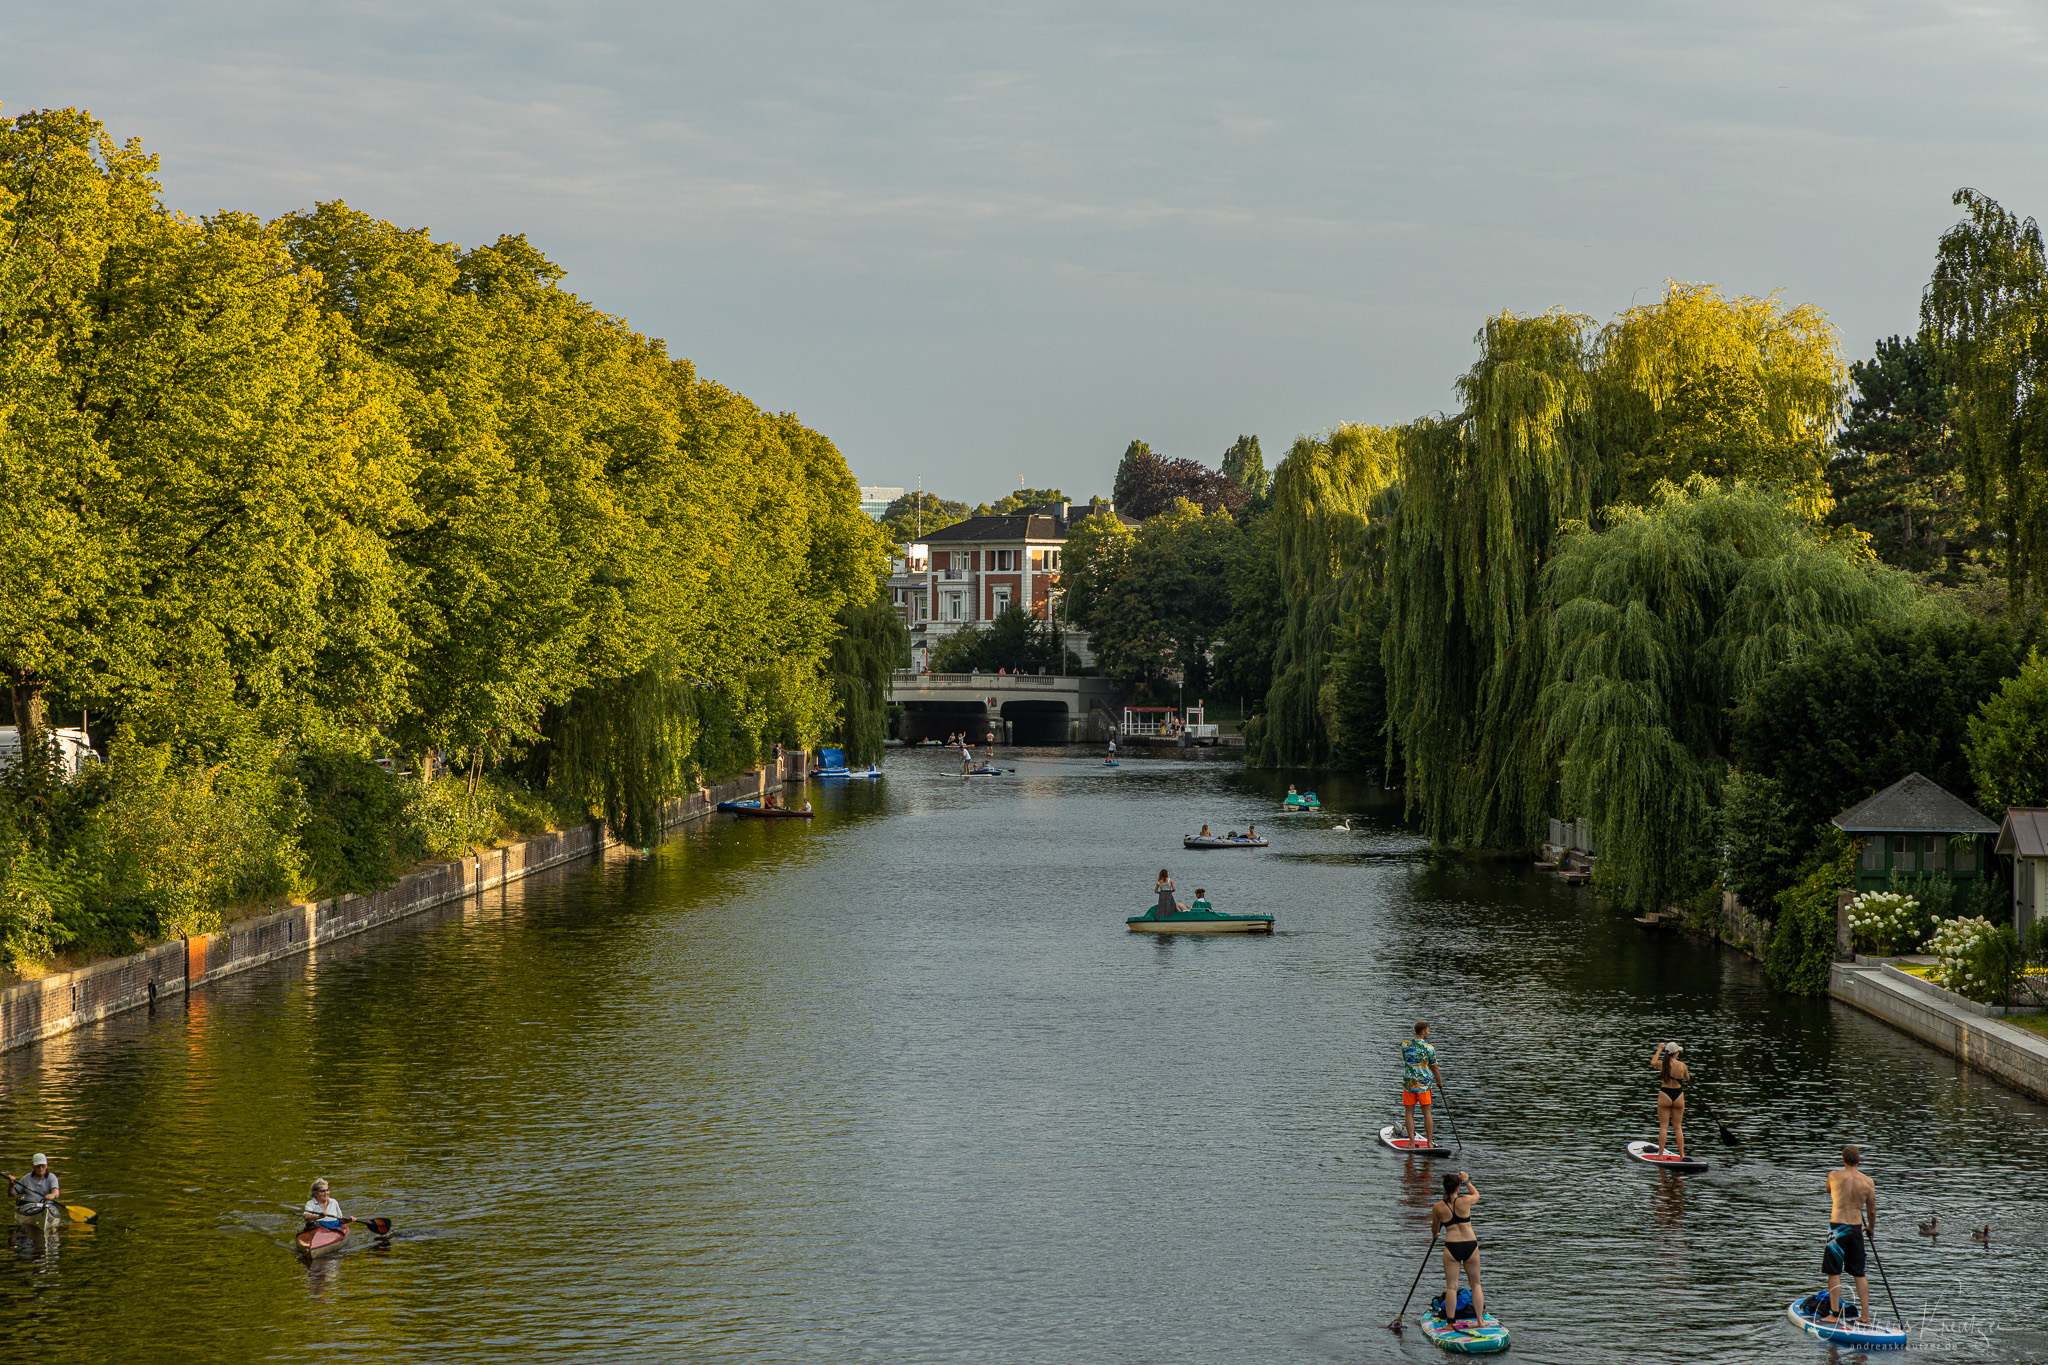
(36, 1189)
(322, 1210)
(1671, 1078)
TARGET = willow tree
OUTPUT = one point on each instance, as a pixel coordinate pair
(871, 645)
(1985, 317)
(1483, 497)
(1660, 626)
(1324, 494)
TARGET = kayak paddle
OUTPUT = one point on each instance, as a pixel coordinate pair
(77, 1213)
(380, 1226)
(1395, 1325)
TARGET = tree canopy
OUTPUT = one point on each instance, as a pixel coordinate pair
(1148, 484)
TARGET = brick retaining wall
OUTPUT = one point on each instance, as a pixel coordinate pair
(63, 1001)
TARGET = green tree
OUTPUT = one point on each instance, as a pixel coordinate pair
(1244, 466)
(871, 645)
(1984, 317)
(1803, 943)
(2008, 739)
(1251, 637)
(1895, 474)
(1661, 625)
(1027, 500)
(1325, 497)
(1152, 601)
(1853, 715)
(912, 517)
(1762, 840)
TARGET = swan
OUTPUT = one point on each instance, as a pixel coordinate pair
(1346, 826)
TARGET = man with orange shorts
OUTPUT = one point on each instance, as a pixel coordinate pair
(1418, 1073)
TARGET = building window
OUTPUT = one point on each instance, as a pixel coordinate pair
(1873, 855)
(1902, 852)
(923, 605)
(1935, 850)
(953, 606)
(1052, 561)
(1966, 854)
(1002, 601)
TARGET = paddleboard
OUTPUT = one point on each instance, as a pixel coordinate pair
(1420, 1146)
(1874, 1337)
(1647, 1153)
(1466, 1337)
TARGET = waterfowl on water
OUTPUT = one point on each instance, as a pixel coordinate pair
(1982, 1234)
(1932, 1227)
(1346, 826)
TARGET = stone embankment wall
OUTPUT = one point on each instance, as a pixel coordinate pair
(1962, 1028)
(63, 1001)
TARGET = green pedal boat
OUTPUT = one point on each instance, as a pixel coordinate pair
(1198, 922)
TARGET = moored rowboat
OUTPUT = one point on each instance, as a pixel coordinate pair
(316, 1241)
(761, 812)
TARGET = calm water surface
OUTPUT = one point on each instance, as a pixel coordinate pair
(898, 1086)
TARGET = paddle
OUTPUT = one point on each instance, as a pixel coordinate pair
(1447, 1113)
(1395, 1325)
(1897, 1316)
(1727, 1135)
(77, 1213)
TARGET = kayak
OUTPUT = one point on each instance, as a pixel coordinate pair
(317, 1242)
(1211, 841)
(1198, 922)
(1419, 1146)
(1875, 1336)
(760, 812)
(1465, 1336)
(41, 1216)
(1647, 1153)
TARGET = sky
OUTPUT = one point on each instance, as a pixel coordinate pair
(986, 246)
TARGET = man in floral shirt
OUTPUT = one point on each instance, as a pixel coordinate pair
(1418, 1072)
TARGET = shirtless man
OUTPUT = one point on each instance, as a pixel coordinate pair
(1853, 1212)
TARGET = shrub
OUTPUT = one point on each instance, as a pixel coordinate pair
(1975, 957)
(1804, 942)
(1885, 920)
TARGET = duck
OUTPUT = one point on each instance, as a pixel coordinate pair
(1932, 1227)
(1982, 1234)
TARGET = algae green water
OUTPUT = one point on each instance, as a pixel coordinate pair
(898, 1086)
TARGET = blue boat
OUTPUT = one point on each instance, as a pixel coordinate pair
(832, 763)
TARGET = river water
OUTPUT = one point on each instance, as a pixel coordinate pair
(899, 1086)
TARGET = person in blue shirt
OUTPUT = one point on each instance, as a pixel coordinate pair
(1418, 1073)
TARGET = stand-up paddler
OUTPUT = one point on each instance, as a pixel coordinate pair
(1852, 1214)
(1418, 1073)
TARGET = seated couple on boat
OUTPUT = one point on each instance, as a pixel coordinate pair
(1168, 906)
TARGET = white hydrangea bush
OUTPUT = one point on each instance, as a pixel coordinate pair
(1884, 919)
(1957, 946)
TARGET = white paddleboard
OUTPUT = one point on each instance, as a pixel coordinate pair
(1874, 1337)
(1420, 1146)
(1647, 1153)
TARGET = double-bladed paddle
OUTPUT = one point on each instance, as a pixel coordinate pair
(77, 1213)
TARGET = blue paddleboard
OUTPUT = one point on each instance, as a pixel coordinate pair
(1875, 1337)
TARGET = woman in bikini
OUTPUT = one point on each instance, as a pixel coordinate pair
(1672, 1075)
(1453, 1214)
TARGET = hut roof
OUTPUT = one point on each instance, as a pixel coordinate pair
(2025, 832)
(1913, 805)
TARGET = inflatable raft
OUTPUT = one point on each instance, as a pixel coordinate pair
(1211, 841)
(1198, 922)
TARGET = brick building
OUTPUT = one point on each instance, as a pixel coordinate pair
(972, 572)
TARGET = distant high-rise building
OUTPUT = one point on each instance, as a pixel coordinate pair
(874, 501)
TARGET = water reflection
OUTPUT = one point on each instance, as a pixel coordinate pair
(898, 1085)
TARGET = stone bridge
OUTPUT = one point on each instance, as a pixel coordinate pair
(1022, 708)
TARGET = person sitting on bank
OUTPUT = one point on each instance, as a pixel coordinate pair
(36, 1189)
(1167, 905)
(322, 1210)
(1201, 901)
(1672, 1076)
(1453, 1214)
(1852, 1211)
